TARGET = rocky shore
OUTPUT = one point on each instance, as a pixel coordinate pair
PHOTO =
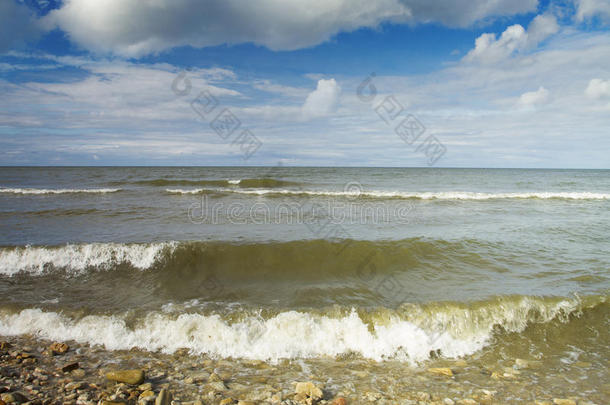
(34, 371)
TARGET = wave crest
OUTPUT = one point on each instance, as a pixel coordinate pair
(297, 334)
(77, 258)
(441, 195)
(58, 191)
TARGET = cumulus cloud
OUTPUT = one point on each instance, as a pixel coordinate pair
(489, 49)
(598, 88)
(135, 28)
(17, 24)
(587, 9)
(533, 98)
(323, 100)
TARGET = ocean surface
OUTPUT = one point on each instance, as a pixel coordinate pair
(383, 264)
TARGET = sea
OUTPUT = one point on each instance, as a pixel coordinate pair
(386, 268)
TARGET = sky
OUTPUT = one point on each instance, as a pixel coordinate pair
(463, 83)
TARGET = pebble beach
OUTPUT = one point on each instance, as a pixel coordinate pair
(35, 371)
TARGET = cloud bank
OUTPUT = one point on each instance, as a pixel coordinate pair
(138, 27)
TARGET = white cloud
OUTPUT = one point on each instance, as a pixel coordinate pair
(114, 94)
(135, 27)
(541, 27)
(488, 50)
(533, 98)
(323, 100)
(514, 39)
(598, 88)
(587, 9)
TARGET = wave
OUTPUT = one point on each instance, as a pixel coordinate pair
(441, 195)
(57, 191)
(77, 258)
(179, 182)
(301, 259)
(411, 334)
(263, 182)
(266, 182)
(189, 191)
(53, 212)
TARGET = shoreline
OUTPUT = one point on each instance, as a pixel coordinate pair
(33, 373)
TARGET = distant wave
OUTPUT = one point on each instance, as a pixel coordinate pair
(57, 191)
(262, 182)
(408, 334)
(439, 195)
(188, 191)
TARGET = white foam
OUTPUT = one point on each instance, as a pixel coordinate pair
(76, 258)
(183, 191)
(440, 195)
(57, 191)
(234, 181)
(293, 334)
(287, 335)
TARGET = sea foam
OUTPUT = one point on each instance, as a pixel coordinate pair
(58, 191)
(440, 195)
(77, 258)
(293, 334)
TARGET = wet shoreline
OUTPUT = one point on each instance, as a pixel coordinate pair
(40, 376)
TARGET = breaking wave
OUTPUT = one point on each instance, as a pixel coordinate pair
(410, 334)
(77, 258)
(57, 191)
(441, 195)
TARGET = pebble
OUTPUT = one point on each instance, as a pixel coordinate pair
(66, 368)
(562, 401)
(446, 371)
(132, 377)
(217, 386)
(13, 397)
(309, 389)
(145, 387)
(58, 348)
(164, 398)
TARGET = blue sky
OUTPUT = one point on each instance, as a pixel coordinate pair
(504, 83)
